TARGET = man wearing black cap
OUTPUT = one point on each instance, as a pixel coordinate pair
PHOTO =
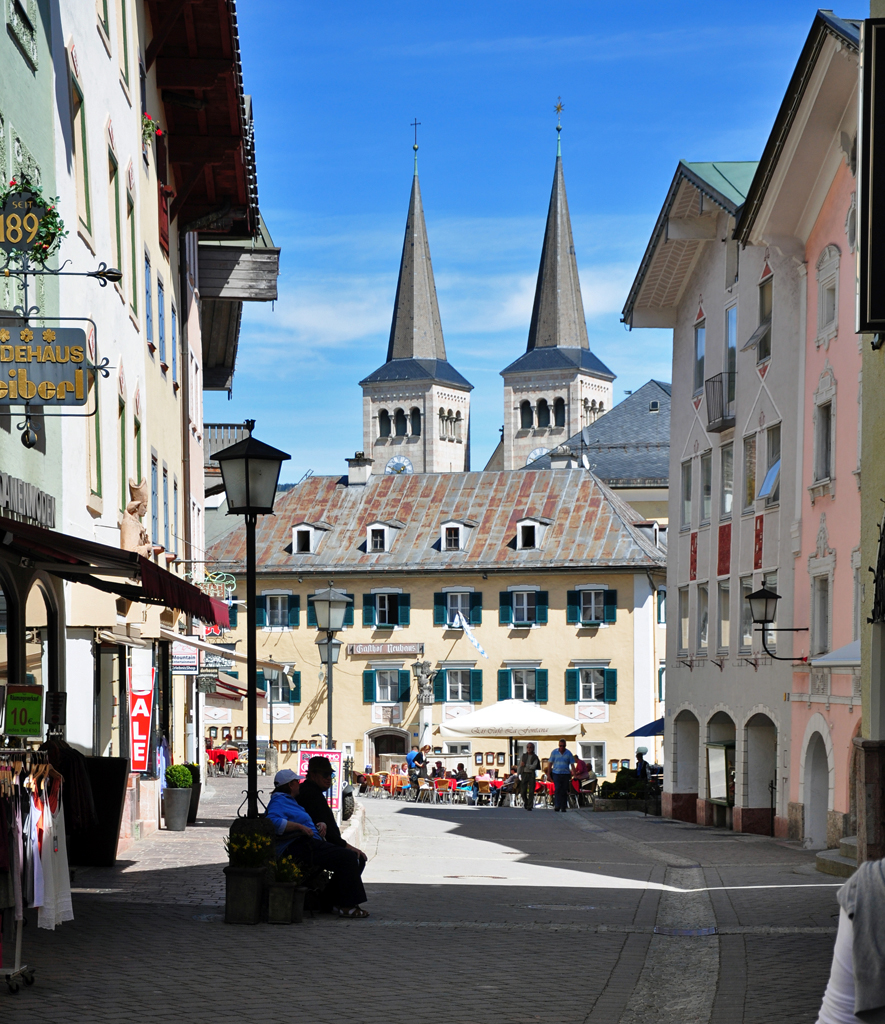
(312, 797)
(300, 838)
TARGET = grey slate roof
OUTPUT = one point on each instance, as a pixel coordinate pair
(418, 369)
(559, 358)
(630, 445)
(590, 526)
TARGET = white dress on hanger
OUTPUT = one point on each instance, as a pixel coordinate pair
(57, 906)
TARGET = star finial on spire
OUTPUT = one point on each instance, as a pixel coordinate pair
(559, 109)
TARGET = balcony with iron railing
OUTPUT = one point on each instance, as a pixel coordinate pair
(720, 402)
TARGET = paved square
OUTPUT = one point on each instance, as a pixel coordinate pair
(484, 915)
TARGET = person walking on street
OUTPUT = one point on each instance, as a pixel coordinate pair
(416, 761)
(561, 761)
(642, 769)
(529, 763)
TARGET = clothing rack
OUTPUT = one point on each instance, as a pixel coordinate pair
(20, 971)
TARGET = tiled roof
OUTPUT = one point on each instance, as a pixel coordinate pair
(590, 526)
(558, 359)
(418, 369)
(630, 445)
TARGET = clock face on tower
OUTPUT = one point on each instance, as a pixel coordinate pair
(535, 454)
(398, 464)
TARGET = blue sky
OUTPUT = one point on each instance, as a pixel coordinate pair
(335, 87)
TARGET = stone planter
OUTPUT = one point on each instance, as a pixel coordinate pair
(242, 895)
(298, 904)
(194, 808)
(279, 902)
(176, 804)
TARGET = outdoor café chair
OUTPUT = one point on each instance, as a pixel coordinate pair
(442, 789)
(484, 789)
(425, 791)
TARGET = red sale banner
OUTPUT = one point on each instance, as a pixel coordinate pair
(141, 700)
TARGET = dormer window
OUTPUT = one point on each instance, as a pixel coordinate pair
(453, 538)
(378, 535)
(530, 532)
(654, 406)
(302, 542)
(378, 539)
(454, 533)
(306, 537)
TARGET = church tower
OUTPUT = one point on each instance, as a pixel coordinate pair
(558, 386)
(416, 407)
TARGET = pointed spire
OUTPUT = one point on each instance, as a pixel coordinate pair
(416, 330)
(558, 312)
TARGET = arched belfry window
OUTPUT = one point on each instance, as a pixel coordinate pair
(525, 415)
(543, 413)
(399, 423)
(383, 423)
(442, 423)
(450, 424)
(559, 412)
(416, 422)
(458, 426)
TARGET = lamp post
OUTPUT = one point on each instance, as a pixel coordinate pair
(763, 610)
(330, 606)
(250, 471)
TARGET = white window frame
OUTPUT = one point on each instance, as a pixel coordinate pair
(459, 595)
(700, 353)
(825, 394)
(540, 529)
(597, 685)
(596, 602)
(371, 530)
(726, 451)
(821, 614)
(598, 764)
(745, 583)
(684, 612)
(723, 640)
(827, 282)
(387, 670)
(533, 621)
(685, 492)
(703, 631)
(311, 539)
(524, 683)
(265, 594)
(706, 488)
(463, 685)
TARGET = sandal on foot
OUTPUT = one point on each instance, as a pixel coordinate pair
(355, 912)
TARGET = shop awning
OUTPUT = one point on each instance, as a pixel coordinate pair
(510, 718)
(135, 577)
(655, 728)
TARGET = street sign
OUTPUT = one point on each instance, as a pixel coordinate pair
(24, 710)
(141, 701)
(185, 659)
(56, 708)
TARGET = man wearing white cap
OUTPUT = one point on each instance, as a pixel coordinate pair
(298, 837)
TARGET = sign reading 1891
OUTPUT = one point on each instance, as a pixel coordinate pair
(20, 220)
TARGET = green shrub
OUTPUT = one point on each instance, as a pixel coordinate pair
(194, 769)
(178, 776)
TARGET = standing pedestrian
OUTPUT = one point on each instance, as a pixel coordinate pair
(560, 766)
(642, 769)
(415, 761)
(529, 763)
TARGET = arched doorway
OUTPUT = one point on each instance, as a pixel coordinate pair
(817, 793)
(387, 743)
(761, 770)
(718, 809)
(684, 782)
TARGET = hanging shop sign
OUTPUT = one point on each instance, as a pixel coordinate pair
(141, 702)
(24, 710)
(27, 500)
(40, 367)
(56, 708)
(185, 659)
(333, 795)
(218, 660)
(385, 648)
(207, 684)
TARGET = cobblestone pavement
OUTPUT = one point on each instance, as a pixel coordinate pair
(479, 915)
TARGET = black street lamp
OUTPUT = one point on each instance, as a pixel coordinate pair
(763, 610)
(330, 607)
(250, 470)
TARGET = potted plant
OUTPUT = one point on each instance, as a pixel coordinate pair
(283, 893)
(177, 797)
(248, 854)
(196, 790)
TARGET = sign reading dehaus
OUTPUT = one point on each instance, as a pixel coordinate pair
(27, 500)
(43, 366)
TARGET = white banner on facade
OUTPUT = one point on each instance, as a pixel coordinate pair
(217, 716)
(281, 713)
(456, 710)
(592, 712)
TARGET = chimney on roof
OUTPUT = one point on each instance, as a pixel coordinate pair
(563, 458)
(359, 469)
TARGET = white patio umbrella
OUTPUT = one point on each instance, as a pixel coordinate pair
(508, 719)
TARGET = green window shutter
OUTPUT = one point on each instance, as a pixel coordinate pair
(294, 611)
(311, 614)
(348, 612)
(611, 606)
(610, 685)
(260, 682)
(476, 686)
(404, 609)
(439, 686)
(439, 609)
(662, 607)
(232, 611)
(369, 610)
(661, 672)
(368, 687)
(503, 684)
(573, 607)
(405, 689)
(541, 606)
(295, 690)
(505, 607)
(476, 609)
(541, 685)
(572, 679)
(233, 672)
(260, 612)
